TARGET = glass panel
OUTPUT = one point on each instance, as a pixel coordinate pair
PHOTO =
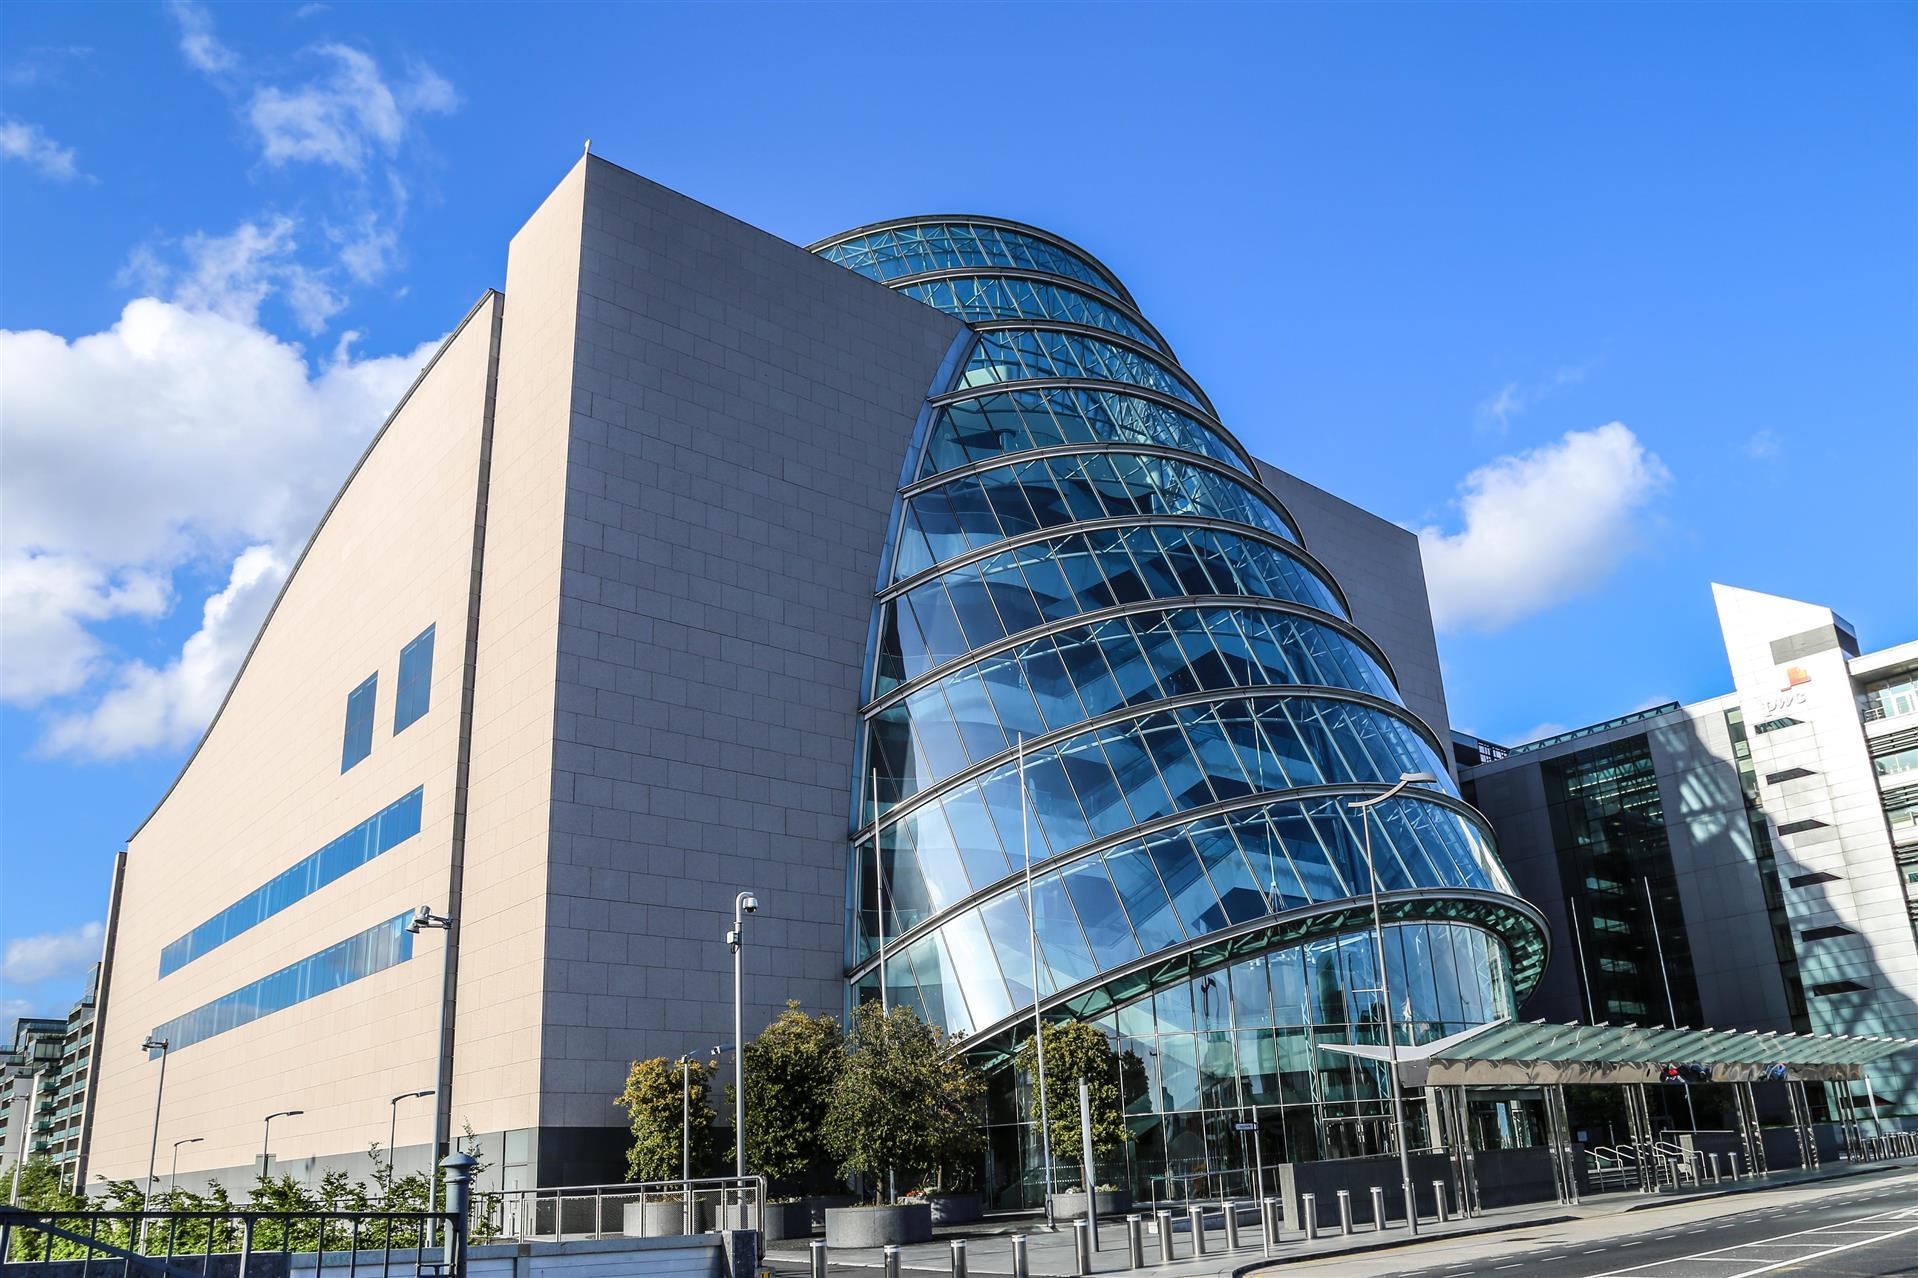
(1010, 930)
(972, 954)
(1061, 942)
(1105, 923)
(1145, 900)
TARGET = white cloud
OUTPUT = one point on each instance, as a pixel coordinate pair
(30, 959)
(346, 116)
(1496, 412)
(46, 603)
(232, 275)
(1764, 445)
(29, 145)
(177, 437)
(1540, 527)
(201, 48)
(148, 708)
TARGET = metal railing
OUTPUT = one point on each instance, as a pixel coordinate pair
(251, 1244)
(639, 1209)
(246, 1243)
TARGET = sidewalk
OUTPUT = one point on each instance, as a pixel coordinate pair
(988, 1245)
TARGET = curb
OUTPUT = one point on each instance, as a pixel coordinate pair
(1533, 1222)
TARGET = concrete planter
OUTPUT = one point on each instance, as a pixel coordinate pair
(820, 1204)
(787, 1220)
(662, 1219)
(893, 1226)
(1110, 1202)
(955, 1209)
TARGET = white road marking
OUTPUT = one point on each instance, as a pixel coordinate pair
(1718, 1255)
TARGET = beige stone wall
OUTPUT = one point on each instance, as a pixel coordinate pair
(497, 1061)
(265, 790)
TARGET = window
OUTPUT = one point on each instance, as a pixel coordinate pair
(374, 950)
(359, 722)
(384, 830)
(415, 692)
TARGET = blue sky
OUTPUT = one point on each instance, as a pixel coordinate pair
(1613, 300)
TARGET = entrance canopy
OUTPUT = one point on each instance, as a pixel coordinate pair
(1531, 1052)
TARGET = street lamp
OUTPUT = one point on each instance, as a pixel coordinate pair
(159, 1092)
(1364, 808)
(1038, 1027)
(173, 1172)
(743, 904)
(266, 1141)
(423, 919)
(392, 1129)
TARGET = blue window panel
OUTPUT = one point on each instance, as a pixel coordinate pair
(415, 691)
(382, 831)
(1232, 878)
(939, 984)
(1138, 776)
(1270, 864)
(1054, 802)
(1052, 594)
(1262, 769)
(940, 863)
(1061, 942)
(1251, 1000)
(1153, 919)
(939, 638)
(1087, 664)
(973, 714)
(1334, 831)
(1168, 661)
(1009, 927)
(1052, 682)
(1181, 771)
(1013, 814)
(939, 738)
(359, 722)
(1317, 874)
(1007, 588)
(972, 605)
(1282, 739)
(1215, 753)
(979, 842)
(1099, 791)
(374, 950)
(1185, 882)
(1131, 681)
(1011, 699)
(1111, 936)
(977, 968)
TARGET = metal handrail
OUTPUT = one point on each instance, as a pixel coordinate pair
(141, 1248)
(558, 1212)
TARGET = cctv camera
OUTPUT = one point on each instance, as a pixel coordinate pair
(750, 904)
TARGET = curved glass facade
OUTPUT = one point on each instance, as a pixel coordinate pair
(1118, 718)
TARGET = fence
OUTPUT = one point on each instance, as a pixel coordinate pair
(641, 1209)
(239, 1243)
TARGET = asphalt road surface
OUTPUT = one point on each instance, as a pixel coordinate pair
(1864, 1228)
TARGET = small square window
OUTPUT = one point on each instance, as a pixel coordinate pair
(359, 722)
(416, 681)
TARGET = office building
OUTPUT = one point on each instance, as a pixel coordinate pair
(694, 560)
(44, 1073)
(1747, 862)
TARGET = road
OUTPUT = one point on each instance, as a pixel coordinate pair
(1860, 1227)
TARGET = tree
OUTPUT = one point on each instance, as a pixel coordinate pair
(652, 1099)
(1074, 1051)
(904, 1100)
(789, 1071)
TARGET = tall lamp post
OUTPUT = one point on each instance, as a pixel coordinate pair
(159, 1093)
(1038, 1027)
(173, 1172)
(1364, 808)
(743, 904)
(392, 1131)
(266, 1141)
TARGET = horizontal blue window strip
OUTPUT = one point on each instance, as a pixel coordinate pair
(392, 826)
(379, 947)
